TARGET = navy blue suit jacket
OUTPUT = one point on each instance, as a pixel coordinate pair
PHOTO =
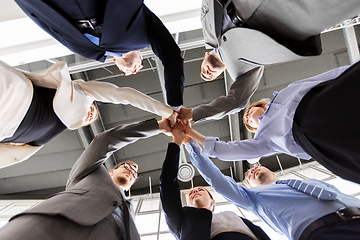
(127, 26)
(187, 223)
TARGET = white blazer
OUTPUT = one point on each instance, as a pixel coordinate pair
(71, 102)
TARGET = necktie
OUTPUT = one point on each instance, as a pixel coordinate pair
(131, 231)
(318, 192)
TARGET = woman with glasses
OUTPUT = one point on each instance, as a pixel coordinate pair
(313, 118)
(197, 221)
(38, 107)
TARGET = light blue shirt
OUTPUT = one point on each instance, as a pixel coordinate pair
(96, 41)
(282, 207)
(274, 134)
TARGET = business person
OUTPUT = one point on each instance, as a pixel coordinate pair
(96, 29)
(305, 119)
(38, 107)
(198, 220)
(93, 205)
(302, 210)
(246, 35)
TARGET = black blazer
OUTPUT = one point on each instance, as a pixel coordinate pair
(187, 223)
(126, 27)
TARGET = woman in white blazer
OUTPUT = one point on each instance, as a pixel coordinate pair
(72, 103)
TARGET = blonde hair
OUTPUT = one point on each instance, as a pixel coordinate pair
(261, 103)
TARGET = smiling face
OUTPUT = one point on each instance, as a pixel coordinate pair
(130, 63)
(259, 176)
(124, 174)
(199, 197)
(252, 116)
(211, 66)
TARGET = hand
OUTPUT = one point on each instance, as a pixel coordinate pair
(173, 118)
(164, 126)
(185, 115)
(187, 139)
(187, 128)
(178, 134)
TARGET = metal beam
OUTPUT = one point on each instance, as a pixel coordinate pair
(351, 44)
(234, 125)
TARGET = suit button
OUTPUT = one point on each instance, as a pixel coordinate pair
(224, 38)
(114, 203)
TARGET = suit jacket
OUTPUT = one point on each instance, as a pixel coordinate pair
(187, 223)
(90, 195)
(71, 102)
(126, 27)
(269, 37)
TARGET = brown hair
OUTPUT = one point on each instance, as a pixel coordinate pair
(261, 103)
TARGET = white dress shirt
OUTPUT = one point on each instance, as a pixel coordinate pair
(229, 222)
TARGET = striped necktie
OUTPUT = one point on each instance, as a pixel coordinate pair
(318, 192)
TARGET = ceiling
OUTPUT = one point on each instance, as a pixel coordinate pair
(33, 50)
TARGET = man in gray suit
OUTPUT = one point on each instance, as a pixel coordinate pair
(247, 35)
(92, 206)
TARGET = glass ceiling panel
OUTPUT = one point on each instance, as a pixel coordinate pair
(147, 223)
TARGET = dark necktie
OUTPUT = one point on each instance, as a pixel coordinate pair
(131, 231)
(312, 190)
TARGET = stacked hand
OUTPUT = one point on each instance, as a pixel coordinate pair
(178, 125)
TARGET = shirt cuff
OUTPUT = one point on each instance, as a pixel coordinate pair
(176, 108)
(209, 145)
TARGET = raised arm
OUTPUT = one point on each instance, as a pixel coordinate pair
(224, 185)
(104, 144)
(110, 93)
(166, 49)
(169, 187)
(239, 94)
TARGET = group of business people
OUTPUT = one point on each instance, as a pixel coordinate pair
(245, 35)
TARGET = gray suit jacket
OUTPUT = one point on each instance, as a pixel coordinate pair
(269, 32)
(83, 210)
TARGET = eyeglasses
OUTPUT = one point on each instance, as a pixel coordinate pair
(248, 172)
(129, 167)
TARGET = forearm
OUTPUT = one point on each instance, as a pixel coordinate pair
(224, 185)
(166, 49)
(110, 93)
(238, 95)
(104, 144)
(169, 187)
(198, 137)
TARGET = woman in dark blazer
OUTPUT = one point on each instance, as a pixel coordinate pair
(197, 222)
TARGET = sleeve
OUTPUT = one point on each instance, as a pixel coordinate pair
(165, 48)
(12, 154)
(222, 184)
(239, 94)
(236, 150)
(110, 93)
(170, 190)
(332, 74)
(105, 143)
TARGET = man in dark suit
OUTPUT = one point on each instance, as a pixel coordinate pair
(247, 35)
(195, 222)
(96, 29)
(93, 205)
